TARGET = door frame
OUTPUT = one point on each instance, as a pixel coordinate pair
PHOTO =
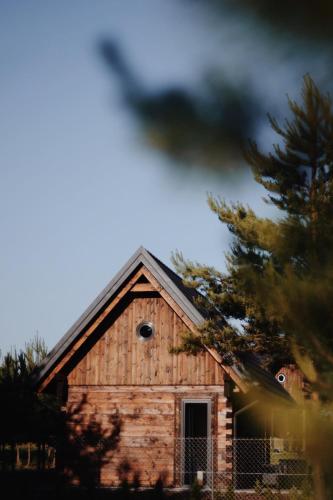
(210, 447)
(208, 401)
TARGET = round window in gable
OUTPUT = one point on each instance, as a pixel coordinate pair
(145, 330)
(281, 378)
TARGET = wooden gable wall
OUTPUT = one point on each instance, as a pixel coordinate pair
(119, 357)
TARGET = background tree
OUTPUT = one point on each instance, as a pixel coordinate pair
(298, 178)
(25, 416)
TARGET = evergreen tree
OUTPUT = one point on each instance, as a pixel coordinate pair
(279, 274)
(26, 416)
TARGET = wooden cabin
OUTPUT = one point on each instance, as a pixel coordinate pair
(136, 411)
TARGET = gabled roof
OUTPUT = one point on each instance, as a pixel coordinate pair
(183, 296)
(169, 280)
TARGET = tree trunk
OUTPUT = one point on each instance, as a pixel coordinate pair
(43, 456)
(12, 455)
(38, 456)
(28, 456)
(18, 458)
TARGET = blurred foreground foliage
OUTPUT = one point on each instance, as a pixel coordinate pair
(276, 297)
(207, 124)
(296, 18)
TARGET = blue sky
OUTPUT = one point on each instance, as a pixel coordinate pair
(80, 190)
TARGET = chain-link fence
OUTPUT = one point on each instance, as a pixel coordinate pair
(242, 464)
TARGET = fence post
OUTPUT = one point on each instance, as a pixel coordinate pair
(234, 462)
(212, 464)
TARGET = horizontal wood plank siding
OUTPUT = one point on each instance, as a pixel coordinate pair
(139, 428)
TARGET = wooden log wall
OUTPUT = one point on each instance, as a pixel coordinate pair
(137, 429)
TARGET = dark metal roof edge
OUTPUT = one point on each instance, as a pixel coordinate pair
(141, 256)
(266, 380)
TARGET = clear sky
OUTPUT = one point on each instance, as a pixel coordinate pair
(80, 191)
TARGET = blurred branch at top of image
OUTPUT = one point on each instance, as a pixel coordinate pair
(209, 126)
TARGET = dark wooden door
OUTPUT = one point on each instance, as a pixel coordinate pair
(196, 439)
